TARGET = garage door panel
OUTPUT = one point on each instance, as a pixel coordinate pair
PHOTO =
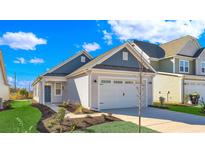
(119, 94)
(195, 86)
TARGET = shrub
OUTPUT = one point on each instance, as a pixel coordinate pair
(202, 103)
(79, 109)
(186, 98)
(7, 105)
(60, 114)
(161, 100)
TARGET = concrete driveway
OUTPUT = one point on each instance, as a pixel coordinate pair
(163, 120)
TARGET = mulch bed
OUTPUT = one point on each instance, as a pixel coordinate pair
(69, 125)
(73, 107)
(46, 113)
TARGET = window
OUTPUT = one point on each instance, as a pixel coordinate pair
(129, 82)
(58, 89)
(105, 81)
(184, 66)
(118, 82)
(125, 55)
(203, 67)
(83, 59)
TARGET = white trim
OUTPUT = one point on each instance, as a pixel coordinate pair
(90, 90)
(180, 60)
(55, 88)
(66, 61)
(131, 47)
(125, 56)
(174, 64)
(98, 79)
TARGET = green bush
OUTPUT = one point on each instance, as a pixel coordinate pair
(60, 114)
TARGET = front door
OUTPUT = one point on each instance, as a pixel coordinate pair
(47, 94)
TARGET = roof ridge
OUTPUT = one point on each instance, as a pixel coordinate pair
(177, 39)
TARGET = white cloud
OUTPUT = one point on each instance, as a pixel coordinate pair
(156, 31)
(107, 37)
(20, 83)
(36, 60)
(10, 79)
(20, 60)
(91, 46)
(21, 40)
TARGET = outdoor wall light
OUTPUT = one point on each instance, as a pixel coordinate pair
(95, 81)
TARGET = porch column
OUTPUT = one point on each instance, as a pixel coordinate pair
(43, 91)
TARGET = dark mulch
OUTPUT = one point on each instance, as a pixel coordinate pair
(159, 107)
(6, 105)
(71, 107)
(69, 125)
(46, 113)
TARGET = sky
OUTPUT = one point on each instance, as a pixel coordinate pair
(30, 48)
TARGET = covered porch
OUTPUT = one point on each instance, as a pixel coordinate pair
(54, 90)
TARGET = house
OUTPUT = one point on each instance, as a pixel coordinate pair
(110, 80)
(180, 67)
(4, 86)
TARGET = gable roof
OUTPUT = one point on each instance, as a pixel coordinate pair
(49, 72)
(152, 50)
(3, 69)
(108, 54)
(198, 52)
(173, 47)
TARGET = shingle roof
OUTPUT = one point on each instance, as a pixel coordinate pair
(198, 52)
(173, 47)
(152, 50)
(95, 60)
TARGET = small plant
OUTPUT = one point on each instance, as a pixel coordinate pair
(21, 128)
(79, 109)
(202, 103)
(186, 98)
(161, 100)
(60, 114)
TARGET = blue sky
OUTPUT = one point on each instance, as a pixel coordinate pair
(32, 47)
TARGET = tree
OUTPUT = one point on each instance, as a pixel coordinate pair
(23, 92)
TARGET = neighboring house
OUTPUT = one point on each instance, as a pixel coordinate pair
(180, 66)
(4, 86)
(110, 80)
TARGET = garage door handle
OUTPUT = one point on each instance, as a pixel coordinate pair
(101, 103)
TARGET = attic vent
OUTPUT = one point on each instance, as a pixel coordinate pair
(83, 59)
(125, 55)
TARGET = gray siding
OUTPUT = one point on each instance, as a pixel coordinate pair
(69, 67)
(166, 65)
(191, 66)
(115, 62)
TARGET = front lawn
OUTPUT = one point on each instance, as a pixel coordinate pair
(22, 117)
(181, 108)
(116, 127)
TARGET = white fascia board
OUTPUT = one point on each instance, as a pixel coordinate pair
(68, 60)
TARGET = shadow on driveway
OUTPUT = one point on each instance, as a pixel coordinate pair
(150, 112)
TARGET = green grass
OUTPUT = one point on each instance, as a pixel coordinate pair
(196, 110)
(116, 127)
(23, 111)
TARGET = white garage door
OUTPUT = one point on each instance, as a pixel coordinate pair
(195, 86)
(120, 93)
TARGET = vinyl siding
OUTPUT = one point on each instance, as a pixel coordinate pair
(4, 89)
(155, 65)
(191, 66)
(166, 65)
(162, 85)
